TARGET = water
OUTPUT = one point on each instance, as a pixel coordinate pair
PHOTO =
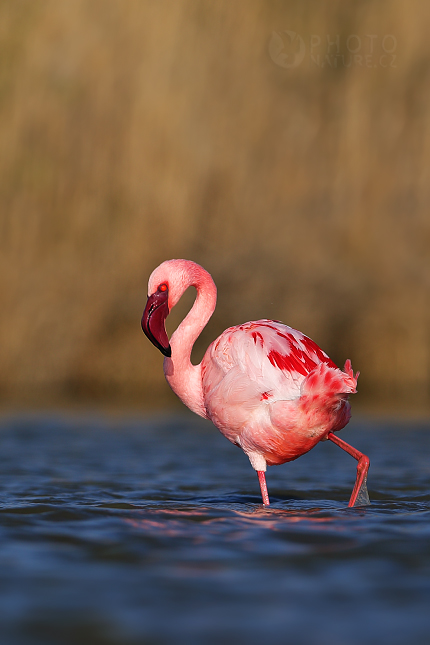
(151, 531)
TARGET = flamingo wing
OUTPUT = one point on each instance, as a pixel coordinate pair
(273, 391)
(261, 360)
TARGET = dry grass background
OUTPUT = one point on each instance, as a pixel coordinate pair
(133, 132)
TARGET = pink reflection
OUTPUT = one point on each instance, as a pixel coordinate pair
(172, 522)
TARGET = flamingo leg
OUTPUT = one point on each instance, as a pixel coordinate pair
(263, 487)
(359, 496)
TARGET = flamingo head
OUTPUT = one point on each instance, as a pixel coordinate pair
(154, 316)
(166, 285)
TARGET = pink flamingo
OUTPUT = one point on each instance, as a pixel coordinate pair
(267, 387)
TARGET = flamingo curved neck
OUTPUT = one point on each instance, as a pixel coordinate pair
(184, 378)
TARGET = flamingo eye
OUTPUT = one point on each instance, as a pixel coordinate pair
(162, 287)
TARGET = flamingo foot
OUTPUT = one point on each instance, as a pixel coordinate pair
(263, 487)
(359, 496)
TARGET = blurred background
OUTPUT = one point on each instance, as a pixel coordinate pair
(283, 145)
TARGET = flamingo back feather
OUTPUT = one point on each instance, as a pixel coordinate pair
(272, 390)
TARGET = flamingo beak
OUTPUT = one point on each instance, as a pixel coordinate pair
(154, 315)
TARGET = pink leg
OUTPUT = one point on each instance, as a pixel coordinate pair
(263, 487)
(359, 495)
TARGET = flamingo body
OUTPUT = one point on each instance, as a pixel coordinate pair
(267, 387)
(271, 390)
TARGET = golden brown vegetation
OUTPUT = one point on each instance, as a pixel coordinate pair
(133, 132)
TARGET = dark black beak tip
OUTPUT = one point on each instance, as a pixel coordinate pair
(167, 351)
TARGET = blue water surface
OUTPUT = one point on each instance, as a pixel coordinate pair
(121, 530)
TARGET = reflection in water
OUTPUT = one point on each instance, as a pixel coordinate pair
(135, 532)
(303, 530)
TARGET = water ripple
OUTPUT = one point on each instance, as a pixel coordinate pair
(127, 531)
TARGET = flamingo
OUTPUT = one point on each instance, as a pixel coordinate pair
(267, 387)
